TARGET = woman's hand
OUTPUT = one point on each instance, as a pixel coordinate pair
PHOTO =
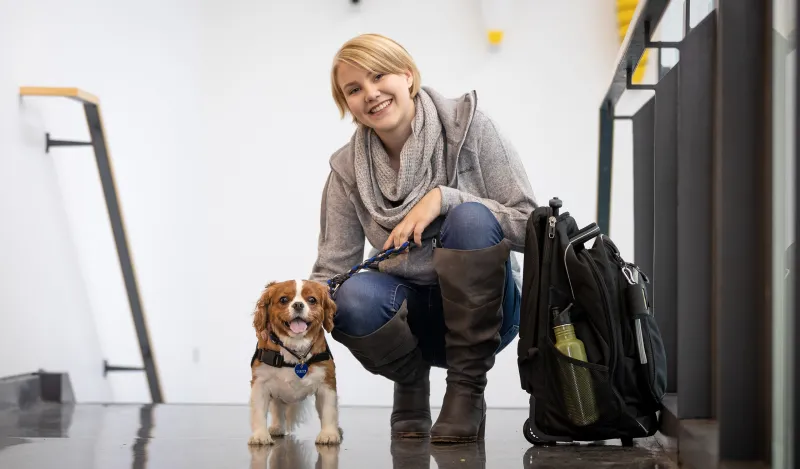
(427, 209)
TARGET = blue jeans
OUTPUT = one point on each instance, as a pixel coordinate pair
(369, 299)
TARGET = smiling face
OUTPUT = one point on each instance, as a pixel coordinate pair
(294, 309)
(381, 101)
(372, 70)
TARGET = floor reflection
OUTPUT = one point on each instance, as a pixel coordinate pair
(143, 436)
(606, 455)
(205, 436)
(290, 453)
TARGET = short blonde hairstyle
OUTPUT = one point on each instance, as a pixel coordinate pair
(376, 54)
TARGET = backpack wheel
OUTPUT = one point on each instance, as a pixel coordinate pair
(527, 432)
(627, 441)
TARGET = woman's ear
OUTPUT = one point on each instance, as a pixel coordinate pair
(409, 78)
(260, 315)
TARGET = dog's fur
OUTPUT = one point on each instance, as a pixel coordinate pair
(280, 390)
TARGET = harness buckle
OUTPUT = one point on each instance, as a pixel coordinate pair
(277, 361)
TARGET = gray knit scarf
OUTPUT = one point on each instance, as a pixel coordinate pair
(388, 194)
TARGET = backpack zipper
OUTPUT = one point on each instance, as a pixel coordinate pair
(547, 255)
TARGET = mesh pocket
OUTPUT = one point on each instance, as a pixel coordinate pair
(578, 393)
(580, 399)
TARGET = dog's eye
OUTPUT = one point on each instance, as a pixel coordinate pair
(312, 300)
(284, 300)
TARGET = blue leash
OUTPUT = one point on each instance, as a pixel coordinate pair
(337, 281)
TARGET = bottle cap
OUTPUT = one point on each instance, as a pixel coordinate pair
(562, 318)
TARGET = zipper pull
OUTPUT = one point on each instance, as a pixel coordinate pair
(551, 231)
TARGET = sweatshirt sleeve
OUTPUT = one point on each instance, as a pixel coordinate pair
(510, 196)
(341, 236)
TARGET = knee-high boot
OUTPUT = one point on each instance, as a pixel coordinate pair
(392, 352)
(472, 283)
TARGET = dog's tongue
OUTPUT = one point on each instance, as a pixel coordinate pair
(298, 326)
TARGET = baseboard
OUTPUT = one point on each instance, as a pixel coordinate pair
(31, 388)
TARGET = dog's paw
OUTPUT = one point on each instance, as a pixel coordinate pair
(277, 430)
(329, 436)
(260, 437)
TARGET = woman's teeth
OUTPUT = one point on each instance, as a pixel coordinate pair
(380, 107)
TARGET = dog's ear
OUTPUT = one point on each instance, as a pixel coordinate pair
(260, 315)
(329, 311)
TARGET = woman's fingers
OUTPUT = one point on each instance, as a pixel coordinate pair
(401, 237)
(401, 234)
(418, 234)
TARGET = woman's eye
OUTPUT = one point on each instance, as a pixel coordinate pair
(312, 300)
(378, 76)
(352, 90)
(284, 300)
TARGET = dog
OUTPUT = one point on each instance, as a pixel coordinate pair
(292, 361)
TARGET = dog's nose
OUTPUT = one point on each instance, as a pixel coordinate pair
(298, 305)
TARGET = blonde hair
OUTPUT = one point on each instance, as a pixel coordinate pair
(376, 54)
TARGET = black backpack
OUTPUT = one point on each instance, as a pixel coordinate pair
(617, 391)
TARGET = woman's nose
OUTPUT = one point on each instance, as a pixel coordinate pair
(371, 93)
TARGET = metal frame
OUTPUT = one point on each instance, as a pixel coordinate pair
(91, 106)
(731, 342)
(647, 14)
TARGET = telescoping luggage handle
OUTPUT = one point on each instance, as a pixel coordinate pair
(587, 233)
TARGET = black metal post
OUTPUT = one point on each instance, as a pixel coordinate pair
(643, 179)
(605, 168)
(695, 157)
(665, 219)
(49, 142)
(742, 231)
(123, 252)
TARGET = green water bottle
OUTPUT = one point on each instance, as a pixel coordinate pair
(576, 381)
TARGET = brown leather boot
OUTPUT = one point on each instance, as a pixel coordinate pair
(472, 284)
(392, 352)
(411, 413)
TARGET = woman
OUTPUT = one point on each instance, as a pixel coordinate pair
(435, 171)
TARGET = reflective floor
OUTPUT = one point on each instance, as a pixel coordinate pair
(198, 436)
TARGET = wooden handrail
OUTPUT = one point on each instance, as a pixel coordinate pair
(73, 93)
(91, 106)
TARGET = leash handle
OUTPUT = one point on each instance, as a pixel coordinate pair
(337, 281)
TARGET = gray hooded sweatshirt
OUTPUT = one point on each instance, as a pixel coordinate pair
(482, 166)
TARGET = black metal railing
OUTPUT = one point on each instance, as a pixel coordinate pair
(702, 219)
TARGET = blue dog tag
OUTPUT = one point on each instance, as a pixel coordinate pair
(300, 370)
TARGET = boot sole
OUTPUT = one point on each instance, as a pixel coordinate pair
(454, 440)
(462, 439)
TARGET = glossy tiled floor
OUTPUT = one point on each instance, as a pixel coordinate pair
(195, 436)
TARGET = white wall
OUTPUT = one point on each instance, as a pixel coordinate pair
(221, 123)
(140, 61)
(45, 305)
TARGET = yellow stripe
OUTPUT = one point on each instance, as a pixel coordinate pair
(625, 10)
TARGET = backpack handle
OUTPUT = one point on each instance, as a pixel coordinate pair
(588, 232)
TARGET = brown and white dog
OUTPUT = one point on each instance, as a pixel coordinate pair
(292, 361)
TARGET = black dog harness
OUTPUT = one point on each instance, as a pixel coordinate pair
(273, 358)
